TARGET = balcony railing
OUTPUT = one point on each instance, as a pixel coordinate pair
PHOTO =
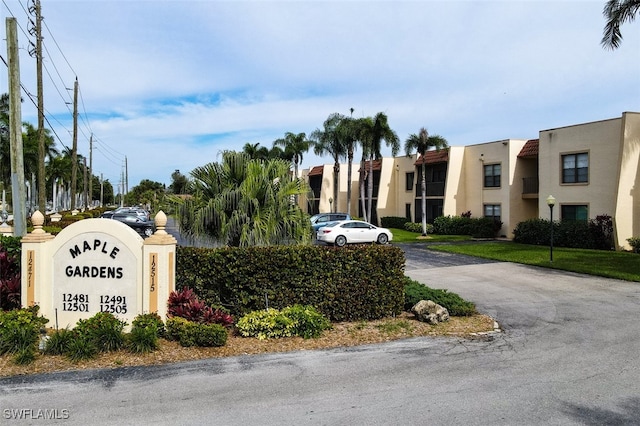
(530, 185)
(434, 189)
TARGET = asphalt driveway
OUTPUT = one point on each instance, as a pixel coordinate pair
(569, 354)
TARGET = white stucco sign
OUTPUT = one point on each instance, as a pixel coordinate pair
(96, 272)
(97, 265)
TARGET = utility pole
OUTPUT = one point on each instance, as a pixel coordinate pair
(15, 132)
(126, 176)
(42, 192)
(74, 150)
(91, 169)
(84, 184)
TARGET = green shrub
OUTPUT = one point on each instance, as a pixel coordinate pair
(483, 227)
(25, 356)
(596, 234)
(104, 330)
(634, 242)
(149, 320)
(211, 335)
(81, 347)
(265, 324)
(58, 342)
(20, 329)
(297, 320)
(142, 340)
(417, 227)
(173, 327)
(189, 333)
(358, 282)
(393, 222)
(307, 321)
(457, 306)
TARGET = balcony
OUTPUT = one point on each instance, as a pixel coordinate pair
(530, 187)
(434, 189)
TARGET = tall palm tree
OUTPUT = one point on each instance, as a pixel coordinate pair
(348, 132)
(617, 12)
(422, 143)
(373, 132)
(328, 141)
(244, 202)
(295, 145)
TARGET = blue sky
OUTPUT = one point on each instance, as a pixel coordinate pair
(170, 84)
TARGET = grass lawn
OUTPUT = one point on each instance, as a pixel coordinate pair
(404, 236)
(610, 264)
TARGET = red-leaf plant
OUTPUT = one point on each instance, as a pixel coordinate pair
(10, 283)
(185, 304)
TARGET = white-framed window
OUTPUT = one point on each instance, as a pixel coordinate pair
(575, 168)
(492, 175)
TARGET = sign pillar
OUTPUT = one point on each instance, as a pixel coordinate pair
(159, 268)
(36, 263)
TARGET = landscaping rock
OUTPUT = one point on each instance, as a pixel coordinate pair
(430, 312)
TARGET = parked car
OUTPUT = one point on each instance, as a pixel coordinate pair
(322, 219)
(127, 210)
(140, 224)
(353, 231)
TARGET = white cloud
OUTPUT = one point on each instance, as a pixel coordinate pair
(169, 84)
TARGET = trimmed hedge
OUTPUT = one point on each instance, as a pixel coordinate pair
(482, 227)
(594, 234)
(396, 222)
(349, 283)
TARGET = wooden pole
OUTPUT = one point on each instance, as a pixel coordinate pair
(18, 189)
(42, 191)
(74, 150)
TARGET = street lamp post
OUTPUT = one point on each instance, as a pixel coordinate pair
(551, 202)
(331, 204)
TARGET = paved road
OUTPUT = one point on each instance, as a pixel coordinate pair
(569, 354)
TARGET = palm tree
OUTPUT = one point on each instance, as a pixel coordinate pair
(422, 143)
(257, 152)
(295, 145)
(373, 131)
(244, 202)
(348, 133)
(328, 141)
(617, 12)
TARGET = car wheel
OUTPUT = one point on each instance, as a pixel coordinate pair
(148, 232)
(341, 240)
(383, 239)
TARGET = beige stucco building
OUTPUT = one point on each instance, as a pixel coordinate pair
(590, 169)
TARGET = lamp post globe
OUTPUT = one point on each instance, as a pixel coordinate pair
(551, 201)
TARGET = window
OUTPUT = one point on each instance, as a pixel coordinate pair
(492, 175)
(574, 212)
(409, 183)
(575, 168)
(493, 211)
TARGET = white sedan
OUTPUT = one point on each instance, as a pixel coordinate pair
(353, 231)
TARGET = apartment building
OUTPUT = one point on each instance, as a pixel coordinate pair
(590, 169)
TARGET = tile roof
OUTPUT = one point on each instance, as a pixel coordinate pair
(316, 171)
(377, 165)
(432, 157)
(530, 149)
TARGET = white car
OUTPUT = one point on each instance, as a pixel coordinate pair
(353, 231)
